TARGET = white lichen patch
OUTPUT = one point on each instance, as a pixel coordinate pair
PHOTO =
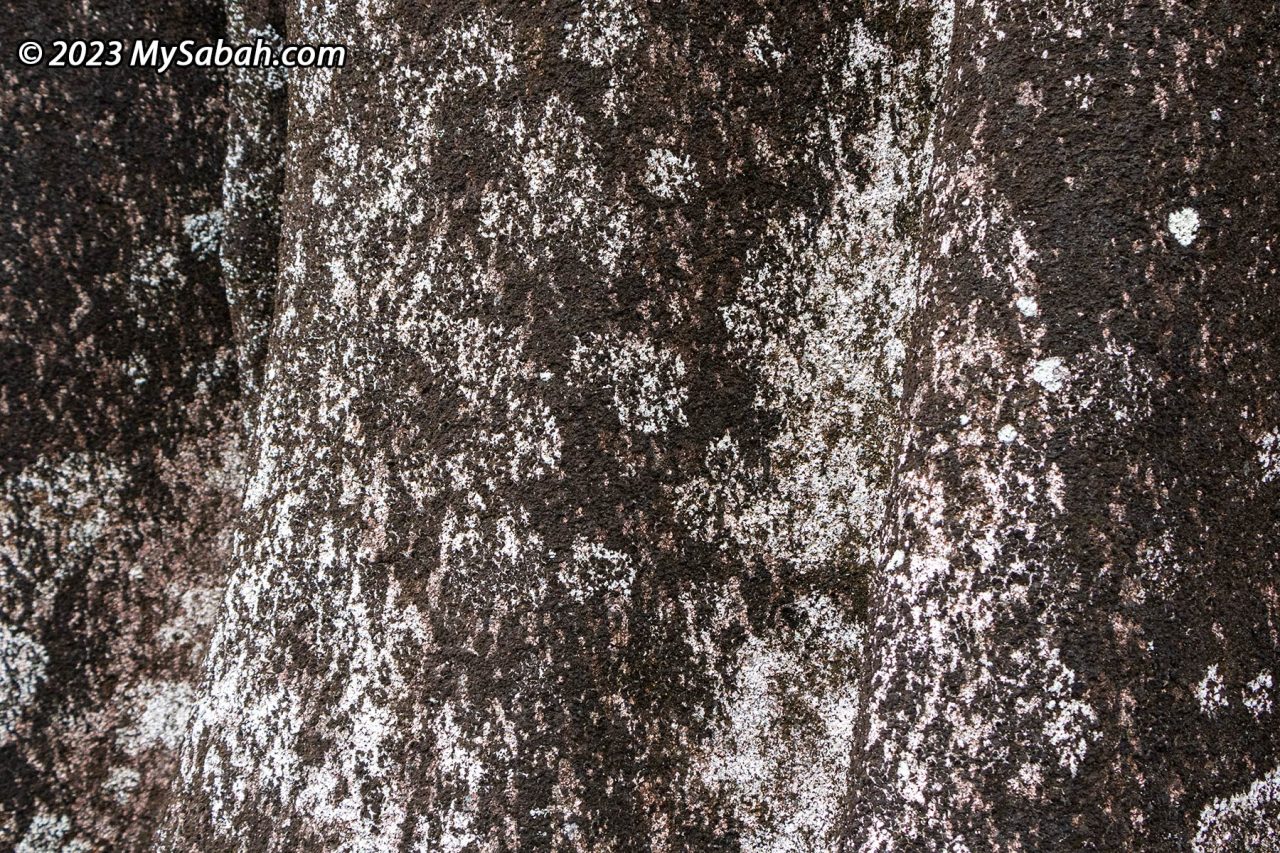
(782, 750)
(604, 30)
(50, 833)
(1211, 692)
(1184, 224)
(669, 176)
(121, 783)
(832, 373)
(1008, 434)
(1249, 820)
(1050, 374)
(760, 47)
(22, 671)
(646, 378)
(595, 569)
(204, 231)
(1257, 695)
(1068, 720)
(1269, 456)
(1027, 305)
(162, 710)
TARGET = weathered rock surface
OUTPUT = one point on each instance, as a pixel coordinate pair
(1073, 644)
(615, 426)
(117, 421)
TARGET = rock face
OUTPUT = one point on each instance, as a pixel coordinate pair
(575, 431)
(706, 426)
(1074, 641)
(120, 469)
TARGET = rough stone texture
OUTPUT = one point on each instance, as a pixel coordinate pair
(118, 382)
(610, 426)
(253, 179)
(574, 432)
(1073, 644)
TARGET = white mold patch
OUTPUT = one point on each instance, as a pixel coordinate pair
(1184, 225)
(1007, 434)
(1028, 306)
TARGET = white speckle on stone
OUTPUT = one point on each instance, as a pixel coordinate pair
(667, 175)
(1257, 694)
(1028, 306)
(22, 669)
(1269, 456)
(1245, 821)
(48, 833)
(1211, 692)
(1215, 114)
(1050, 374)
(1183, 225)
(1007, 434)
(204, 230)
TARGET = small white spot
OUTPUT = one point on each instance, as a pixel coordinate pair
(964, 420)
(1257, 695)
(1183, 225)
(1027, 305)
(204, 230)
(1269, 456)
(1215, 114)
(667, 175)
(1211, 692)
(1007, 434)
(1050, 374)
(22, 670)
